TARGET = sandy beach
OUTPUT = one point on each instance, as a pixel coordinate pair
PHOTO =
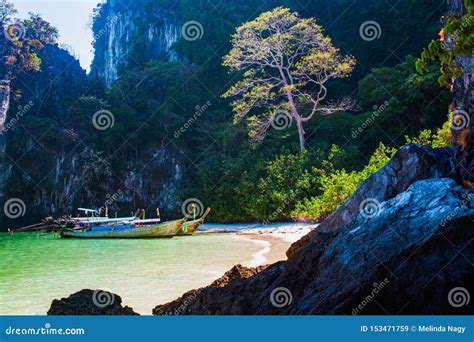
(275, 241)
(274, 249)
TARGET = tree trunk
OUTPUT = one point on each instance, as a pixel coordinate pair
(462, 105)
(299, 124)
(297, 117)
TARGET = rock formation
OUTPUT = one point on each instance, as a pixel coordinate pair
(89, 302)
(462, 128)
(4, 105)
(124, 27)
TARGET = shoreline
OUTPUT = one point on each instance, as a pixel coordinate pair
(274, 244)
(274, 239)
(274, 249)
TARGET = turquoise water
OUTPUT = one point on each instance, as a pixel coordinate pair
(36, 268)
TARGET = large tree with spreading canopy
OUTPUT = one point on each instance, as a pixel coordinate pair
(286, 62)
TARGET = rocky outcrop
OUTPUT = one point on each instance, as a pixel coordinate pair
(4, 105)
(4, 101)
(402, 244)
(89, 302)
(462, 129)
(230, 278)
(42, 104)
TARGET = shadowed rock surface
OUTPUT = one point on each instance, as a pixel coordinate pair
(89, 302)
(236, 273)
(403, 257)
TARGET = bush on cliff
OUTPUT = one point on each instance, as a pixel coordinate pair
(338, 185)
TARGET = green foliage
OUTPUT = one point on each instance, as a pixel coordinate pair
(337, 185)
(284, 180)
(21, 40)
(461, 42)
(151, 100)
(441, 138)
(412, 101)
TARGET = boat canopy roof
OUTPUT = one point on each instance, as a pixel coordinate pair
(105, 220)
(87, 210)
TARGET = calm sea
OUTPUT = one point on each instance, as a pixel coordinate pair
(36, 268)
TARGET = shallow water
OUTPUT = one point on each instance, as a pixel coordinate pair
(36, 268)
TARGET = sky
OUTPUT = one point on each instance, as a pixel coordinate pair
(71, 18)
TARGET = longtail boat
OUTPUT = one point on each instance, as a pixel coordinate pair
(93, 226)
(126, 230)
(189, 227)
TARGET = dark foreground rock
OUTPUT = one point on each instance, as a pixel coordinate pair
(89, 302)
(402, 244)
(236, 273)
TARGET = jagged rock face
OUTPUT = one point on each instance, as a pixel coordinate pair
(89, 302)
(57, 169)
(403, 259)
(125, 29)
(154, 181)
(4, 105)
(37, 106)
(406, 247)
(4, 100)
(462, 106)
(148, 184)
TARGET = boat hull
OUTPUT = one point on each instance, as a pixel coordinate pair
(162, 230)
(188, 228)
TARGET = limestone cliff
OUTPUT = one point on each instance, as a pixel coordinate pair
(125, 31)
